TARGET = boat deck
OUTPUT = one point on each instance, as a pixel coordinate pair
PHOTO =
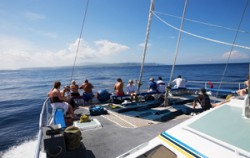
(112, 139)
(233, 123)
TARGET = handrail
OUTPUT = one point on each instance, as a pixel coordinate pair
(45, 106)
(206, 82)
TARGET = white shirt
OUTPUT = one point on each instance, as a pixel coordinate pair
(179, 83)
(161, 86)
(130, 88)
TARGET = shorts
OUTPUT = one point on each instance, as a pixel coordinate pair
(62, 105)
(119, 94)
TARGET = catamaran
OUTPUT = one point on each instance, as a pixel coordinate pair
(126, 131)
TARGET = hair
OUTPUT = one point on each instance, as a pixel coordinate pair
(119, 79)
(86, 81)
(203, 90)
(57, 84)
(179, 76)
(159, 78)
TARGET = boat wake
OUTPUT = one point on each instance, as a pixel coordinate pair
(26, 148)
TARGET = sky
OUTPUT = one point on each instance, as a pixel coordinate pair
(35, 33)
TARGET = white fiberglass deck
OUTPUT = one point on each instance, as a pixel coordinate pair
(225, 126)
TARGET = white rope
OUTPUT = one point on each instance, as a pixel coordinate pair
(176, 54)
(235, 37)
(178, 42)
(79, 40)
(146, 44)
(201, 37)
(204, 23)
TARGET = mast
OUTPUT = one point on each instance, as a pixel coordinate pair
(146, 43)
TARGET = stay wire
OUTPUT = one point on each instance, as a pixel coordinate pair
(229, 56)
(79, 40)
(178, 42)
(166, 103)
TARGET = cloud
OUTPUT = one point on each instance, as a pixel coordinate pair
(33, 16)
(143, 44)
(24, 54)
(235, 55)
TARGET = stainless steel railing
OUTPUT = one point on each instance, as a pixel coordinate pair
(239, 85)
(42, 122)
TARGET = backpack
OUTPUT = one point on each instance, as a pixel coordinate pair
(97, 110)
(73, 137)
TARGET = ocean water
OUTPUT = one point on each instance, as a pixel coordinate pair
(23, 92)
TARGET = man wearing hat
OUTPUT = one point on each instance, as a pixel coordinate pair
(131, 89)
(152, 87)
(203, 99)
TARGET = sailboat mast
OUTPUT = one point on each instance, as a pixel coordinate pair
(146, 43)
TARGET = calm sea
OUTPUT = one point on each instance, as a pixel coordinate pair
(23, 92)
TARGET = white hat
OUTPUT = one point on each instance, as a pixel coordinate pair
(73, 81)
(130, 81)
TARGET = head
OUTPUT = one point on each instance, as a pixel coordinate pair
(67, 88)
(151, 79)
(159, 78)
(73, 82)
(57, 84)
(179, 76)
(119, 80)
(130, 82)
(203, 91)
(86, 81)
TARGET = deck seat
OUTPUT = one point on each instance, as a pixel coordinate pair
(59, 117)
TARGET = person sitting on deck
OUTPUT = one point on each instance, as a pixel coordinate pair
(244, 91)
(152, 86)
(179, 82)
(204, 101)
(131, 89)
(74, 89)
(58, 101)
(68, 98)
(118, 87)
(87, 90)
(160, 85)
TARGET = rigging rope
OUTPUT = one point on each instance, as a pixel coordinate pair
(204, 23)
(176, 54)
(202, 37)
(79, 39)
(178, 42)
(146, 44)
(235, 37)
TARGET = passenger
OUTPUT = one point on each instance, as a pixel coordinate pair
(179, 82)
(87, 90)
(119, 88)
(74, 89)
(244, 91)
(222, 102)
(152, 87)
(58, 101)
(160, 85)
(87, 87)
(68, 98)
(65, 92)
(131, 89)
(203, 99)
